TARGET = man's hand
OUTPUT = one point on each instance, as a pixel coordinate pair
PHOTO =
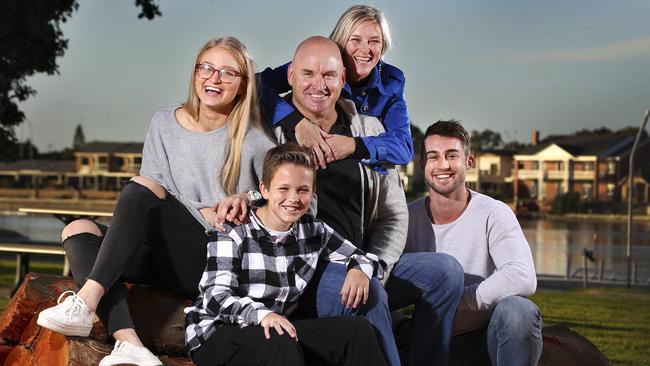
(342, 147)
(233, 208)
(310, 135)
(280, 324)
(355, 289)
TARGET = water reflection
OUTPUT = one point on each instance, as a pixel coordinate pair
(557, 247)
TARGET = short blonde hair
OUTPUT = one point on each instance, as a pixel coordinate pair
(353, 17)
(245, 113)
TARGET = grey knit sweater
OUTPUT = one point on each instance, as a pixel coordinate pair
(488, 242)
(188, 163)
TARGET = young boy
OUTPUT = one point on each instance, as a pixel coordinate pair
(256, 272)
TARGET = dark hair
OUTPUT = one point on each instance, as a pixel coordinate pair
(287, 154)
(451, 128)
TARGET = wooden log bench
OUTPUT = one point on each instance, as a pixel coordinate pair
(159, 319)
(158, 316)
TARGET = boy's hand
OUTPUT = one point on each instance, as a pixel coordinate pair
(233, 208)
(355, 289)
(273, 320)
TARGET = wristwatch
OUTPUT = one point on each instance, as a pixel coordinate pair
(253, 196)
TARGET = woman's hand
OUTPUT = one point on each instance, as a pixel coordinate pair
(280, 324)
(310, 135)
(211, 218)
(355, 289)
(233, 208)
(342, 147)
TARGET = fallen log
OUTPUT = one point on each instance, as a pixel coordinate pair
(562, 346)
(158, 317)
(159, 320)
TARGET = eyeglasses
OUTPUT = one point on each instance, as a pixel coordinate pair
(205, 71)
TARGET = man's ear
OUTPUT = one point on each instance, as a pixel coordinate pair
(264, 191)
(471, 160)
(343, 76)
(290, 74)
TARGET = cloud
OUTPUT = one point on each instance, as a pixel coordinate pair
(630, 49)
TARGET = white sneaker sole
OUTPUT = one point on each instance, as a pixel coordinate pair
(66, 329)
(111, 360)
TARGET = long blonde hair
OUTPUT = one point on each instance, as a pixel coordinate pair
(245, 113)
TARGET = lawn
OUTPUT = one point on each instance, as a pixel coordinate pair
(617, 321)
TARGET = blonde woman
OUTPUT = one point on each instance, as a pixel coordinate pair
(194, 155)
(376, 88)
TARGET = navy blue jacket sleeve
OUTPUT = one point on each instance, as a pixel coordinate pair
(394, 146)
(272, 83)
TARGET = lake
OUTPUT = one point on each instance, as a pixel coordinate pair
(553, 243)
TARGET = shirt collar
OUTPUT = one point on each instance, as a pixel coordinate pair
(374, 81)
(259, 231)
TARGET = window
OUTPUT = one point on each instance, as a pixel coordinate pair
(611, 168)
(611, 189)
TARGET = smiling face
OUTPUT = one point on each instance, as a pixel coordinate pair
(212, 92)
(362, 51)
(316, 76)
(288, 196)
(445, 165)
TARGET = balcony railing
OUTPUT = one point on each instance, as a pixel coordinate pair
(555, 174)
(528, 174)
(584, 174)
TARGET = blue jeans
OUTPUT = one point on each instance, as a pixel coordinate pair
(433, 282)
(322, 299)
(513, 336)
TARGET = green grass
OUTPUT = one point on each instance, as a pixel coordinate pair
(617, 321)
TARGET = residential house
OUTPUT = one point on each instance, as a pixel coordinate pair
(491, 170)
(592, 165)
(105, 165)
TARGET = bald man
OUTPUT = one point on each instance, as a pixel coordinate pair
(369, 209)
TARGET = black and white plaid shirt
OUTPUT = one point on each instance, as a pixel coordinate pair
(250, 273)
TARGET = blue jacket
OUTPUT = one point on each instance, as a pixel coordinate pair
(381, 97)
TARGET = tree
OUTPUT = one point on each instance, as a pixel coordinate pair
(514, 146)
(416, 135)
(31, 39)
(79, 140)
(485, 140)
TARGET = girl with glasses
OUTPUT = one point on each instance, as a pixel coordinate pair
(194, 155)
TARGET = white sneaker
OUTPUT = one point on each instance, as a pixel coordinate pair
(125, 352)
(70, 317)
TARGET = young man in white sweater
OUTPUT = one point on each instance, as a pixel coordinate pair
(495, 322)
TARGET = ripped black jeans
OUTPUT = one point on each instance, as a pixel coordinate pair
(149, 241)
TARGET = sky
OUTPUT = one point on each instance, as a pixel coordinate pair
(511, 66)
